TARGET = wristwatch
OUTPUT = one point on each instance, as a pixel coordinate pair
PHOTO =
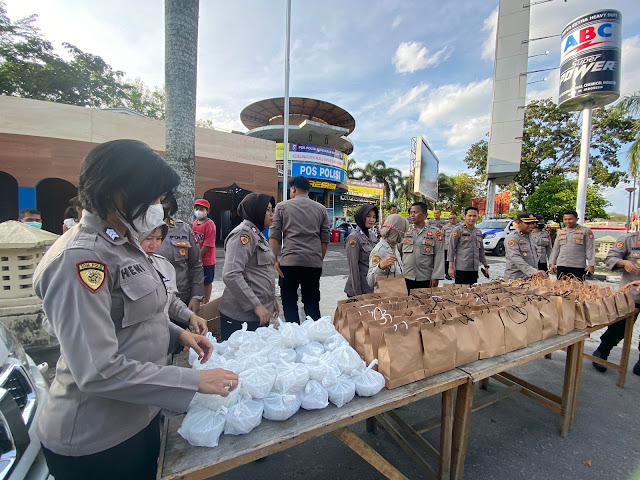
(198, 297)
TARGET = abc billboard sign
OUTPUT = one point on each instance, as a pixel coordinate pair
(590, 60)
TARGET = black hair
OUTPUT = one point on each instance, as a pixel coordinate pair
(571, 212)
(392, 206)
(422, 205)
(29, 211)
(75, 202)
(127, 166)
(471, 208)
(170, 200)
(301, 183)
(71, 212)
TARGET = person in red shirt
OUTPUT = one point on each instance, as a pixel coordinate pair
(204, 233)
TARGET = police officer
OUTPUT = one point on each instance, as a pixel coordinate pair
(358, 246)
(249, 272)
(573, 250)
(422, 251)
(436, 221)
(466, 251)
(624, 256)
(385, 258)
(446, 230)
(521, 251)
(184, 254)
(543, 241)
(106, 305)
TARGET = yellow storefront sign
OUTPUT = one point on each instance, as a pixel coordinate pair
(319, 184)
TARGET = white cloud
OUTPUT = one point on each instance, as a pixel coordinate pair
(411, 98)
(220, 118)
(454, 102)
(467, 131)
(413, 56)
(630, 64)
(491, 26)
(396, 22)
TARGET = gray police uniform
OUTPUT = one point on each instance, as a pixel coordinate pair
(437, 223)
(574, 248)
(249, 273)
(522, 255)
(466, 250)
(423, 254)
(381, 251)
(106, 304)
(184, 254)
(544, 245)
(175, 308)
(358, 247)
(447, 229)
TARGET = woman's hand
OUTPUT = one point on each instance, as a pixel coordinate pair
(276, 309)
(200, 344)
(217, 382)
(198, 325)
(387, 262)
(263, 314)
(631, 267)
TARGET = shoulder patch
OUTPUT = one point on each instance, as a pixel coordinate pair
(92, 274)
(375, 259)
(171, 222)
(590, 234)
(621, 244)
(353, 242)
(511, 243)
(454, 233)
(244, 239)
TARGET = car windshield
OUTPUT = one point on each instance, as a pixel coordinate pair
(493, 224)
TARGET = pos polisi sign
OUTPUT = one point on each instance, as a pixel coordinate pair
(311, 170)
(590, 60)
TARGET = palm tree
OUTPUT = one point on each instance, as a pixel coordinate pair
(180, 76)
(379, 172)
(446, 188)
(353, 171)
(630, 104)
(404, 192)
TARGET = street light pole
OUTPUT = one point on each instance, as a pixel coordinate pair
(630, 190)
(285, 163)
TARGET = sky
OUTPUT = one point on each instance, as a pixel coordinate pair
(402, 68)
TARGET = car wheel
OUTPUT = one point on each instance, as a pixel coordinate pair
(499, 250)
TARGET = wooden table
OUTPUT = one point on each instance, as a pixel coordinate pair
(621, 368)
(179, 460)
(496, 367)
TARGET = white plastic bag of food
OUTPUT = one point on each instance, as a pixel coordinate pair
(258, 381)
(331, 377)
(317, 369)
(334, 341)
(239, 337)
(243, 417)
(202, 427)
(279, 406)
(314, 349)
(313, 396)
(348, 360)
(369, 382)
(290, 377)
(321, 330)
(252, 346)
(215, 402)
(215, 361)
(293, 336)
(278, 355)
(343, 391)
(251, 361)
(307, 322)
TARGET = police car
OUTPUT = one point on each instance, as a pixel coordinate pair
(494, 231)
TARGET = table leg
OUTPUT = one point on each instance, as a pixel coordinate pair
(626, 350)
(484, 383)
(446, 433)
(574, 356)
(577, 385)
(461, 426)
(371, 424)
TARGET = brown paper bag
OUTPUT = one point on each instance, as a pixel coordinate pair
(514, 320)
(533, 323)
(595, 313)
(548, 316)
(566, 305)
(391, 284)
(610, 308)
(491, 333)
(439, 346)
(467, 340)
(622, 304)
(400, 354)
(580, 322)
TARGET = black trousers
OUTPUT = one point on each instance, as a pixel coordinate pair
(579, 273)
(446, 262)
(229, 325)
(308, 279)
(466, 277)
(612, 336)
(133, 459)
(411, 284)
(543, 266)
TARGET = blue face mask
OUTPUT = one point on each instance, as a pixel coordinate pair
(34, 224)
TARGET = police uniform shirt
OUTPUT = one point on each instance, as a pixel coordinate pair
(573, 248)
(465, 249)
(175, 308)
(522, 255)
(381, 251)
(422, 253)
(184, 254)
(437, 223)
(543, 243)
(249, 273)
(627, 247)
(358, 247)
(106, 305)
(447, 229)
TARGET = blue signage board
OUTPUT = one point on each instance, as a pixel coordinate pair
(321, 172)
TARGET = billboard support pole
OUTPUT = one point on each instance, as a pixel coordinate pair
(583, 171)
(491, 198)
(287, 56)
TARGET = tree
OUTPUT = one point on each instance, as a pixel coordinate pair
(181, 63)
(455, 192)
(404, 193)
(630, 104)
(353, 171)
(476, 158)
(558, 193)
(140, 98)
(379, 172)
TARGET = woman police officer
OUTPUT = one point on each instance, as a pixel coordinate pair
(106, 305)
(358, 246)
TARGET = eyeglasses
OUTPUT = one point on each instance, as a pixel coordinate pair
(269, 210)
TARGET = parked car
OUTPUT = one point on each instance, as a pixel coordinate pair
(348, 227)
(494, 231)
(23, 392)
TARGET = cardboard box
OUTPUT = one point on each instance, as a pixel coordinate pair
(211, 313)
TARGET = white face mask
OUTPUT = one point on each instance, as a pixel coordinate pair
(69, 222)
(200, 214)
(150, 220)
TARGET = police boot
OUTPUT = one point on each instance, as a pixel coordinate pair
(597, 366)
(636, 368)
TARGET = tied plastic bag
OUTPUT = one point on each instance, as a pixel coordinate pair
(258, 381)
(215, 361)
(239, 337)
(280, 406)
(347, 360)
(313, 396)
(202, 427)
(321, 330)
(307, 323)
(243, 417)
(254, 345)
(290, 377)
(250, 361)
(369, 382)
(293, 335)
(215, 402)
(314, 349)
(317, 369)
(343, 391)
(278, 355)
(331, 378)
(334, 341)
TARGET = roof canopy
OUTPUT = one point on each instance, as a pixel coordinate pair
(20, 235)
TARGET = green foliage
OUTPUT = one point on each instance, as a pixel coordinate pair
(455, 192)
(142, 99)
(558, 193)
(476, 158)
(630, 104)
(379, 172)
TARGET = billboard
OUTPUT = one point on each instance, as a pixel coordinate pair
(320, 172)
(425, 180)
(502, 205)
(590, 60)
(363, 187)
(302, 153)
